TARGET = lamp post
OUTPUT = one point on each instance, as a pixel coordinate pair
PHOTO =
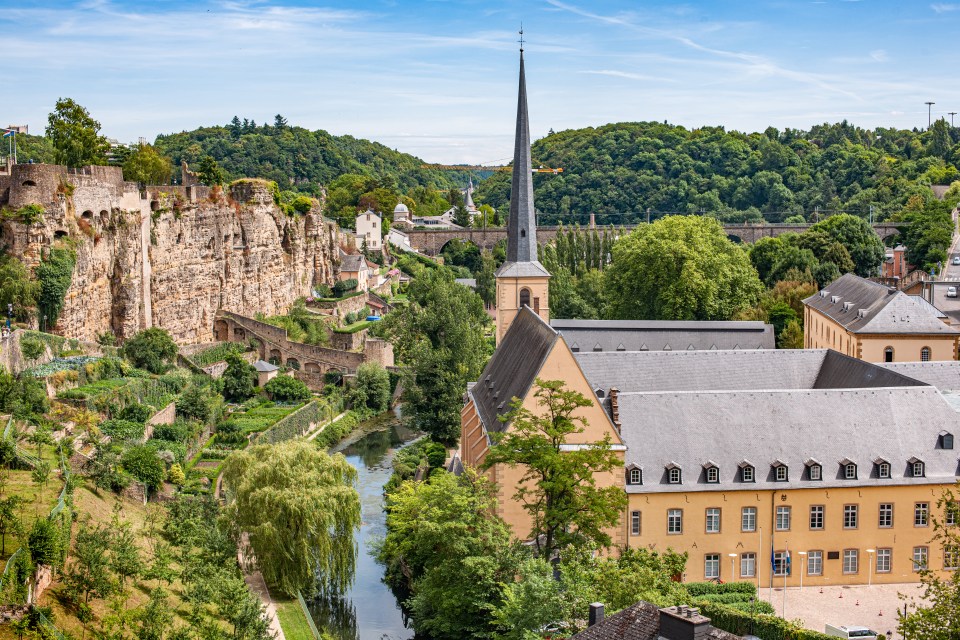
(803, 562)
(929, 106)
(870, 567)
(733, 571)
(952, 113)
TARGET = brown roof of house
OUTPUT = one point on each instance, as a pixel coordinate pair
(640, 621)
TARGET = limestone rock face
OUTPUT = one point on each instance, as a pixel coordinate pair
(170, 256)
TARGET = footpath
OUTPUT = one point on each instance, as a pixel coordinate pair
(321, 427)
(258, 585)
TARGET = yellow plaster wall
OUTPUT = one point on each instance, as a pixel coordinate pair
(901, 538)
(508, 300)
(821, 332)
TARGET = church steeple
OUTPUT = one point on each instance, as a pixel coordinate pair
(521, 280)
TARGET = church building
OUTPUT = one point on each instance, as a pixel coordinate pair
(762, 464)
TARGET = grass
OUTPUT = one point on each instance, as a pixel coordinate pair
(292, 619)
(355, 327)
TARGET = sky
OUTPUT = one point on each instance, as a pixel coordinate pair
(438, 78)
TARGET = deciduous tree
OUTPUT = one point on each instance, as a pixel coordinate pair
(75, 135)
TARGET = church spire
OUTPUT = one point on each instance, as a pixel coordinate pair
(522, 227)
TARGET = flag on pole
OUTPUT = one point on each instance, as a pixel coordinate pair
(786, 561)
(8, 133)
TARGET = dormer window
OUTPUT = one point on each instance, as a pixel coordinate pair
(883, 468)
(849, 469)
(780, 471)
(634, 475)
(946, 440)
(748, 473)
(917, 468)
(575, 347)
(674, 473)
(814, 469)
(712, 472)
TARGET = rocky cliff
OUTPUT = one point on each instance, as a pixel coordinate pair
(166, 256)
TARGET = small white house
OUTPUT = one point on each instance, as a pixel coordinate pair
(370, 229)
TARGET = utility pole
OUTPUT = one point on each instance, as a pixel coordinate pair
(871, 214)
(929, 106)
(952, 113)
(648, 215)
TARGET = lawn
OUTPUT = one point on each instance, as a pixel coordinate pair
(292, 619)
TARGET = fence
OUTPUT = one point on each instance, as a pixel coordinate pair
(11, 561)
(306, 614)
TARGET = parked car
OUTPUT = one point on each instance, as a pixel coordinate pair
(956, 259)
(951, 292)
(864, 633)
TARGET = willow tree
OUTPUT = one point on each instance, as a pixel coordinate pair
(300, 510)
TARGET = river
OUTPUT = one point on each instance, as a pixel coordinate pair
(369, 610)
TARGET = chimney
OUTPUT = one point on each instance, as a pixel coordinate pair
(683, 623)
(596, 613)
(593, 221)
(614, 396)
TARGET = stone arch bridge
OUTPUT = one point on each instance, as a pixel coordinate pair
(431, 241)
(310, 362)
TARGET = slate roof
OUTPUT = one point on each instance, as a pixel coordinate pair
(660, 335)
(929, 307)
(264, 367)
(352, 263)
(942, 374)
(862, 306)
(640, 621)
(513, 368)
(521, 270)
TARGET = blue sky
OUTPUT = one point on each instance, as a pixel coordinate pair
(438, 78)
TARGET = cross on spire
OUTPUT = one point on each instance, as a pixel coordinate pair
(521, 37)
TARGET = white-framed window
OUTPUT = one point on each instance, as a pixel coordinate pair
(921, 514)
(851, 560)
(951, 557)
(850, 516)
(711, 566)
(675, 521)
(850, 471)
(920, 557)
(747, 473)
(780, 473)
(815, 563)
(886, 515)
(781, 563)
(748, 519)
(713, 520)
(816, 517)
(674, 475)
(816, 472)
(748, 565)
(925, 354)
(884, 560)
(951, 511)
(713, 475)
(783, 519)
(634, 523)
(636, 477)
(888, 354)
(883, 470)
(917, 469)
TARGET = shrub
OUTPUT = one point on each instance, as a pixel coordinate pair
(119, 429)
(179, 431)
(176, 475)
(136, 413)
(45, 543)
(54, 275)
(143, 464)
(31, 348)
(107, 339)
(287, 389)
(173, 452)
(701, 588)
(733, 619)
(192, 404)
(350, 318)
(151, 349)
(238, 379)
(372, 389)
(342, 286)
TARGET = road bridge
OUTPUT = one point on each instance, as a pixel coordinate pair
(431, 241)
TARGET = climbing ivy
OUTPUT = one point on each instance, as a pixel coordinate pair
(54, 275)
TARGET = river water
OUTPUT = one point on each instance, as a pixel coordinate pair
(369, 610)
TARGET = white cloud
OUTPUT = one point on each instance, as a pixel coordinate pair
(943, 7)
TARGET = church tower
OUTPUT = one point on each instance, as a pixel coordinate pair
(521, 280)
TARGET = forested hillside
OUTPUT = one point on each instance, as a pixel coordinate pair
(295, 157)
(629, 167)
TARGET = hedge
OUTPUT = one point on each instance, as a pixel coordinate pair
(702, 588)
(294, 425)
(355, 327)
(336, 431)
(766, 626)
(122, 429)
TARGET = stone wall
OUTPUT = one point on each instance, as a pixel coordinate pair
(348, 341)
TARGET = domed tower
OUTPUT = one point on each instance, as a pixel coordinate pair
(401, 215)
(521, 281)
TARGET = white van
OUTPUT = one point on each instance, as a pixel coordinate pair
(864, 633)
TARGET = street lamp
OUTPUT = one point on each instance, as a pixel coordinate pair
(870, 567)
(803, 562)
(733, 558)
(929, 106)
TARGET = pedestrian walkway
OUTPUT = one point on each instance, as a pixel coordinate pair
(258, 585)
(872, 606)
(321, 427)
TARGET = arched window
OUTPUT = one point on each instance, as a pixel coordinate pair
(925, 354)
(888, 354)
(524, 297)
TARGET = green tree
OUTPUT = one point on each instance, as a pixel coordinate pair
(856, 234)
(45, 543)
(287, 389)
(146, 165)
(372, 389)
(10, 522)
(445, 547)
(155, 619)
(142, 463)
(193, 404)
(238, 379)
(559, 488)
(125, 559)
(17, 288)
(680, 268)
(487, 279)
(75, 135)
(300, 509)
(209, 172)
(151, 349)
(88, 573)
(439, 339)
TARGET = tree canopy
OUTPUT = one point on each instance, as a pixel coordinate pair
(75, 135)
(151, 349)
